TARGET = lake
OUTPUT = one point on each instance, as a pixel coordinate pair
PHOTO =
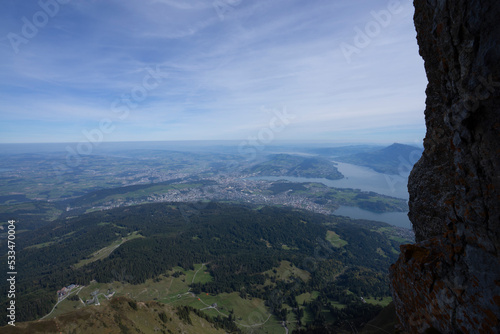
(394, 218)
(365, 179)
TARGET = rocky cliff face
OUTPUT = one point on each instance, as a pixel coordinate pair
(450, 279)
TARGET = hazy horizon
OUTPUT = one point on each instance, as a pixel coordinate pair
(172, 145)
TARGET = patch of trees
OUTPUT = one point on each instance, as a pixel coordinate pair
(296, 166)
(226, 323)
(279, 187)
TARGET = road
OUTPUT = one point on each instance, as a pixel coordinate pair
(283, 323)
(60, 300)
(202, 265)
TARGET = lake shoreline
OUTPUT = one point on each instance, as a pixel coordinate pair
(364, 179)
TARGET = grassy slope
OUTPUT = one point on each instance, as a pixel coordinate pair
(117, 316)
(104, 252)
(173, 291)
(335, 239)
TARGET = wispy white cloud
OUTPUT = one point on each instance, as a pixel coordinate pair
(220, 72)
(193, 4)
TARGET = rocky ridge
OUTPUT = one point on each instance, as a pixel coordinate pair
(449, 280)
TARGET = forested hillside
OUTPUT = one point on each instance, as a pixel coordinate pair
(296, 166)
(343, 260)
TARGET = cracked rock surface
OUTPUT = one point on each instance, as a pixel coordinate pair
(450, 279)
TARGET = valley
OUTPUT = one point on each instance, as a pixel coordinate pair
(39, 188)
(205, 236)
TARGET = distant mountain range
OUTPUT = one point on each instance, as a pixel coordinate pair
(394, 159)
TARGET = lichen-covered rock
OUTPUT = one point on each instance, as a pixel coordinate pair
(450, 279)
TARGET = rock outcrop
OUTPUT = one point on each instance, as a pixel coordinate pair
(449, 280)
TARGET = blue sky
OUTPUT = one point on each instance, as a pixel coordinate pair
(143, 70)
